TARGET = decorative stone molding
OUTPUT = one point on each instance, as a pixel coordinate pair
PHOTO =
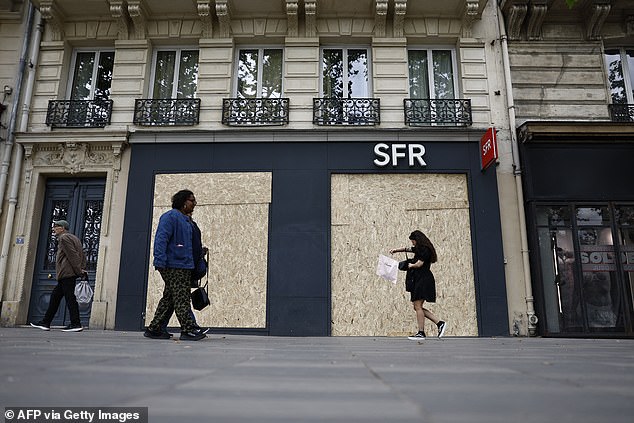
(536, 14)
(380, 18)
(52, 15)
(119, 11)
(596, 14)
(292, 6)
(471, 14)
(400, 8)
(310, 8)
(138, 14)
(204, 12)
(74, 157)
(224, 18)
(514, 13)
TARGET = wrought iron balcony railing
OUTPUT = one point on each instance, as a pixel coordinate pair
(437, 112)
(621, 112)
(78, 113)
(166, 111)
(346, 111)
(255, 111)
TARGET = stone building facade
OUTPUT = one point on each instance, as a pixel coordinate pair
(572, 94)
(316, 135)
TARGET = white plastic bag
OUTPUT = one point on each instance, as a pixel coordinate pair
(83, 291)
(387, 268)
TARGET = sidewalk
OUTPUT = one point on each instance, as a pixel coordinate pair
(271, 379)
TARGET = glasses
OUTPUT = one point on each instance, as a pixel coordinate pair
(193, 200)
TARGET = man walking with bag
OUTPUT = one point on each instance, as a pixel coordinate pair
(70, 263)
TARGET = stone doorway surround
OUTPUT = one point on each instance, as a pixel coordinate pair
(73, 154)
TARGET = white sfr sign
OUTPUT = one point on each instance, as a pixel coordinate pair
(390, 154)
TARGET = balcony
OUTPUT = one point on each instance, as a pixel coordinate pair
(255, 111)
(436, 112)
(78, 113)
(346, 111)
(621, 112)
(166, 112)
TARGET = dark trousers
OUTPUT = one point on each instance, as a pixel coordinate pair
(176, 297)
(65, 288)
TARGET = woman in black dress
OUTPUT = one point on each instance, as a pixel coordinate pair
(420, 282)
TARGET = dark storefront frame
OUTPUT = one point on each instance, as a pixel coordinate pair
(302, 217)
(576, 165)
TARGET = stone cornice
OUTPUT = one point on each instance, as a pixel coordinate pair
(553, 131)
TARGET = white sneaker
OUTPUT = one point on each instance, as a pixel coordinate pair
(41, 325)
(419, 336)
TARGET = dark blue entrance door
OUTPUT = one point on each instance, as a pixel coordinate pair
(80, 202)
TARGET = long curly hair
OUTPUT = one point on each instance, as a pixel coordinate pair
(422, 240)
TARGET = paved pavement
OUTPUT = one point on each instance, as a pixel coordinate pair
(338, 379)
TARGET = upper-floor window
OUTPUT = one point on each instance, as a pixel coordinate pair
(175, 74)
(620, 69)
(92, 75)
(87, 103)
(259, 73)
(345, 72)
(431, 73)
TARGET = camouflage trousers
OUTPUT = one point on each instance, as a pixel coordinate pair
(176, 296)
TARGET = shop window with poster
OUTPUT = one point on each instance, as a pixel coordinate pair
(582, 287)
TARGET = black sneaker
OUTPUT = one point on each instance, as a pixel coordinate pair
(73, 328)
(441, 328)
(419, 336)
(41, 325)
(149, 333)
(193, 335)
(203, 330)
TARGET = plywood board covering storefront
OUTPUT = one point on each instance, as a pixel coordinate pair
(372, 214)
(233, 215)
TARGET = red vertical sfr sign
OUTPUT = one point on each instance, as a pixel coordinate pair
(488, 148)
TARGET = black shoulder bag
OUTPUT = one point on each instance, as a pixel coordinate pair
(200, 298)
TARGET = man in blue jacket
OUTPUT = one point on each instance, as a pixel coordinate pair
(174, 259)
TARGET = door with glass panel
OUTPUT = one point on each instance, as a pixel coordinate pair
(89, 89)
(585, 270)
(80, 202)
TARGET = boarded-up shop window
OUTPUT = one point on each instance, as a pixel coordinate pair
(233, 216)
(372, 214)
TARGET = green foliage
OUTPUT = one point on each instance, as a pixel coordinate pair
(571, 3)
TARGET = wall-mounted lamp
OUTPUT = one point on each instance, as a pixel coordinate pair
(8, 90)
